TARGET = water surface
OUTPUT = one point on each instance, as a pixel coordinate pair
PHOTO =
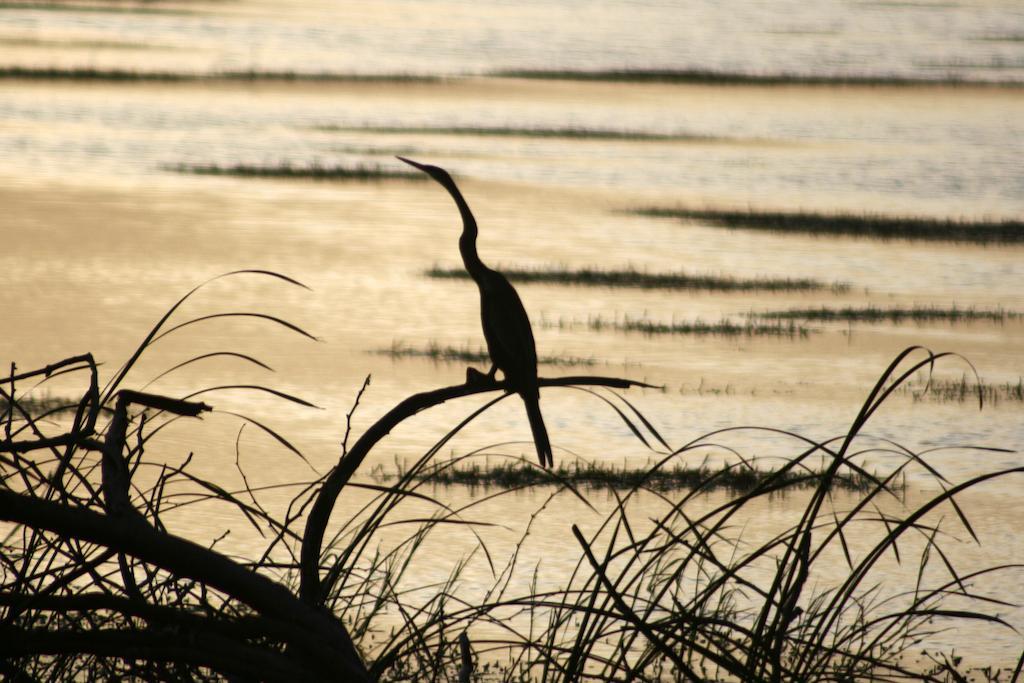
(98, 236)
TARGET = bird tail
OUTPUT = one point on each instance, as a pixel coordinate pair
(540, 432)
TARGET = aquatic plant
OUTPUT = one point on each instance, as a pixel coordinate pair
(568, 133)
(965, 389)
(39, 406)
(893, 314)
(464, 354)
(1001, 38)
(713, 77)
(143, 7)
(88, 73)
(665, 76)
(513, 473)
(286, 169)
(724, 327)
(643, 279)
(857, 225)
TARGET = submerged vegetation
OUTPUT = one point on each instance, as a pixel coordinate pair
(918, 314)
(36, 406)
(723, 328)
(138, 7)
(966, 390)
(569, 133)
(287, 169)
(513, 474)
(450, 354)
(1001, 38)
(661, 76)
(857, 225)
(82, 43)
(643, 279)
(96, 585)
(86, 73)
(711, 77)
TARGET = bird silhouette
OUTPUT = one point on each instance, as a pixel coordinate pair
(506, 326)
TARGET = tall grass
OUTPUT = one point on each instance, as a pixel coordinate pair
(94, 586)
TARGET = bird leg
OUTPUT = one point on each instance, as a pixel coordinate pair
(474, 376)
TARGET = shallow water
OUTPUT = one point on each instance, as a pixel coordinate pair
(98, 238)
(970, 38)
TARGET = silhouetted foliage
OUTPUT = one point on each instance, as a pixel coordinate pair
(93, 586)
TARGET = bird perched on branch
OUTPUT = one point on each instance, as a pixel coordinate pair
(506, 326)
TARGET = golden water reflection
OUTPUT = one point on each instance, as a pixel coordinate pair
(94, 255)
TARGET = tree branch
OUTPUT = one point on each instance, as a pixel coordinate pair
(203, 649)
(314, 633)
(310, 589)
(237, 629)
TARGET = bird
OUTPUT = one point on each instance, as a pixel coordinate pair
(506, 326)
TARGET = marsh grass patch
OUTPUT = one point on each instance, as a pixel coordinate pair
(966, 390)
(86, 73)
(440, 353)
(567, 133)
(514, 473)
(1000, 38)
(857, 225)
(309, 171)
(144, 7)
(32, 41)
(723, 328)
(714, 77)
(895, 315)
(35, 406)
(631, 277)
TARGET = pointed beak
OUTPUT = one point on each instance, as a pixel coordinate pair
(435, 172)
(413, 163)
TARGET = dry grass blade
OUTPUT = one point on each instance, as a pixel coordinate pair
(256, 387)
(116, 380)
(273, 434)
(204, 356)
(263, 316)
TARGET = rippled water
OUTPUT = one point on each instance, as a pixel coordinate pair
(979, 38)
(98, 237)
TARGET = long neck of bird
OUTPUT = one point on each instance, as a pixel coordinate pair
(467, 241)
